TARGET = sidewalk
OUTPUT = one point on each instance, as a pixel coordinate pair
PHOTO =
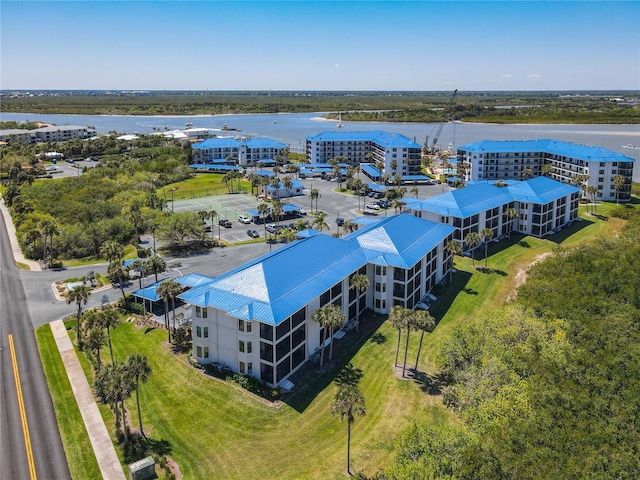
(100, 441)
(17, 253)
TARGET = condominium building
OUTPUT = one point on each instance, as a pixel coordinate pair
(46, 134)
(394, 153)
(503, 160)
(238, 151)
(542, 207)
(258, 318)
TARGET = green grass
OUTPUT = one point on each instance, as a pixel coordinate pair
(77, 447)
(200, 185)
(130, 252)
(216, 430)
(22, 266)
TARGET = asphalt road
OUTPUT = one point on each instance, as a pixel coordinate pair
(26, 452)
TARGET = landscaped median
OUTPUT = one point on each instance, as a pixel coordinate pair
(215, 430)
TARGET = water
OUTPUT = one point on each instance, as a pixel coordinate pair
(293, 129)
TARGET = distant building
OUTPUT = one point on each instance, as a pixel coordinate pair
(46, 134)
(543, 205)
(395, 153)
(235, 151)
(258, 318)
(502, 160)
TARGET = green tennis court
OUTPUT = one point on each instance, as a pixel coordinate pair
(226, 206)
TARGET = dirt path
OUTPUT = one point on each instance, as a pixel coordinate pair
(521, 276)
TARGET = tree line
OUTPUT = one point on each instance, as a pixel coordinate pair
(549, 385)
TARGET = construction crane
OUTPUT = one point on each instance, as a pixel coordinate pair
(452, 100)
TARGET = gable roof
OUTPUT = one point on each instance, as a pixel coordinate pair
(375, 136)
(540, 190)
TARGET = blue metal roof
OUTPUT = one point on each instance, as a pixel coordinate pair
(213, 166)
(415, 177)
(273, 287)
(375, 136)
(540, 190)
(264, 173)
(194, 280)
(401, 240)
(264, 143)
(567, 149)
(370, 170)
(294, 184)
(463, 202)
(223, 142)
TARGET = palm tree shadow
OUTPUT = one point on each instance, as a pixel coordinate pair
(159, 447)
(429, 384)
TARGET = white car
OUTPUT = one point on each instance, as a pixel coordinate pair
(372, 206)
(244, 219)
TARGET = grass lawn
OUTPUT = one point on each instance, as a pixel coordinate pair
(77, 447)
(200, 185)
(130, 252)
(216, 430)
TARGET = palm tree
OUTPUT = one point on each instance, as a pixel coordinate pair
(321, 317)
(593, 190)
(546, 169)
(472, 240)
(49, 228)
(487, 235)
(527, 173)
(132, 214)
(165, 290)
(359, 283)
(156, 265)
(139, 368)
(94, 341)
(511, 215)
(319, 221)
(398, 318)
(287, 235)
(277, 210)
(315, 194)
(120, 274)
(335, 321)
(112, 251)
(410, 324)
(79, 295)
(348, 403)
(263, 210)
(425, 323)
(175, 290)
(452, 248)
(274, 183)
(415, 191)
(288, 183)
(109, 319)
(618, 182)
(112, 387)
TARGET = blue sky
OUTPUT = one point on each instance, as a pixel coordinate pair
(334, 45)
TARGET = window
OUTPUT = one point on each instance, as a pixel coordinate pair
(241, 346)
(241, 367)
(199, 351)
(206, 332)
(249, 347)
(241, 325)
(204, 312)
(266, 351)
(198, 331)
(266, 331)
(206, 352)
(198, 312)
(249, 368)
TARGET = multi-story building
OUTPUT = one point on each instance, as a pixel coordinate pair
(46, 134)
(395, 153)
(258, 318)
(503, 160)
(543, 206)
(242, 152)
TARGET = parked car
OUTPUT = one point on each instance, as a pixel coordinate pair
(253, 233)
(244, 219)
(271, 229)
(372, 206)
(207, 228)
(225, 223)
(384, 203)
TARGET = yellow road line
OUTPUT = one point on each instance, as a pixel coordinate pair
(23, 413)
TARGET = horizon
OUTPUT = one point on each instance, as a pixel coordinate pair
(333, 46)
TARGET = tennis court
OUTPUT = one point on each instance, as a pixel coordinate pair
(227, 207)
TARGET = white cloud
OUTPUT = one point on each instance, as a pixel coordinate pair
(507, 75)
(337, 65)
(535, 75)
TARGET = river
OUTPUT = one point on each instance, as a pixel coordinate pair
(293, 128)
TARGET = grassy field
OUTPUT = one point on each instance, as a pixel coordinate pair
(202, 184)
(216, 430)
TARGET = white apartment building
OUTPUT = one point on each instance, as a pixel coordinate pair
(396, 153)
(503, 160)
(245, 152)
(46, 134)
(258, 318)
(543, 205)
